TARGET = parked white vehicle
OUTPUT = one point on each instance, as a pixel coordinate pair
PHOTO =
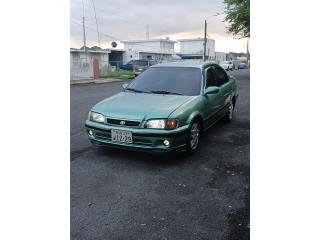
(227, 65)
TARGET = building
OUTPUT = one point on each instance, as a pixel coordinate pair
(155, 49)
(116, 57)
(192, 48)
(81, 61)
(231, 56)
(242, 58)
(220, 57)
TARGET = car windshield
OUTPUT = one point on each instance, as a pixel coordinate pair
(169, 80)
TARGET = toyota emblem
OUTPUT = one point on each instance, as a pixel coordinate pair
(122, 122)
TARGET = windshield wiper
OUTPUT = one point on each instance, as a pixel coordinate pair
(165, 92)
(135, 90)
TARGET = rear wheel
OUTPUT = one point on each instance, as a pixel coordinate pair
(193, 137)
(229, 115)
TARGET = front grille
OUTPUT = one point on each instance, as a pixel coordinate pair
(106, 136)
(128, 123)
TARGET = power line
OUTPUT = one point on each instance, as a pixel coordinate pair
(95, 16)
(112, 37)
(107, 35)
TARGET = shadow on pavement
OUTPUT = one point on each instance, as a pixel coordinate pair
(143, 157)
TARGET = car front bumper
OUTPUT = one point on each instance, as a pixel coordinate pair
(148, 140)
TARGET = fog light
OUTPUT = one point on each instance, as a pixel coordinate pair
(90, 133)
(166, 143)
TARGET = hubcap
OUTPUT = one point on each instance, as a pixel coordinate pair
(194, 135)
(230, 111)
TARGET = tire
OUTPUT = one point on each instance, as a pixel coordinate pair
(229, 115)
(193, 137)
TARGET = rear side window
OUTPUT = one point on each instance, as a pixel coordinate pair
(221, 76)
(211, 78)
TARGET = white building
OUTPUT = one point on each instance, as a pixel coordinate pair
(155, 49)
(81, 62)
(220, 57)
(193, 48)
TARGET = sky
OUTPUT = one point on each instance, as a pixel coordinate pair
(128, 19)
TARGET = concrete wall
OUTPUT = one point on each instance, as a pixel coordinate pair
(220, 56)
(155, 56)
(211, 48)
(195, 46)
(139, 50)
(81, 64)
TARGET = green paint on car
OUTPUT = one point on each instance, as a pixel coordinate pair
(165, 109)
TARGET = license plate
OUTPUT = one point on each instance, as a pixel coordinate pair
(121, 136)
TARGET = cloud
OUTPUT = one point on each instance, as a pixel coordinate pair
(127, 19)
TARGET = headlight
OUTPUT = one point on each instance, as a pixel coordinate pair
(96, 117)
(162, 124)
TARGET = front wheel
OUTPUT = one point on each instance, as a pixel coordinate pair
(193, 137)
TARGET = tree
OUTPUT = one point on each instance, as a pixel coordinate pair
(238, 15)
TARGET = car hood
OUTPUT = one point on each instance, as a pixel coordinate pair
(140, 106)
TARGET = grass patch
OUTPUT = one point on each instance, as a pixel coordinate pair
(118, 74)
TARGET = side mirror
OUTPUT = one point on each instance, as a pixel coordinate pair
(125, 85)
(211, 90)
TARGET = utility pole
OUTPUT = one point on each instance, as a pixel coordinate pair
(84, 34)
(248, 54)
(205, 36)
(84, 29)
(205, 40)
(147, 32)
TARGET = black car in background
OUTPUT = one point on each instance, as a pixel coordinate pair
(137, 66)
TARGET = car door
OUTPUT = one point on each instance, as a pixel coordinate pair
(213, 101)
(225, 86)
(129, 66)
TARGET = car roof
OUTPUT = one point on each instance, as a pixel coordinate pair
(185, 64)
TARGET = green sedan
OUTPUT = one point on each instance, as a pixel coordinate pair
(165, 109)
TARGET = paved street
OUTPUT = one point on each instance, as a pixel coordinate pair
(118, 194)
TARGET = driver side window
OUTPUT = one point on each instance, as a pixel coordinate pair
(211, 80)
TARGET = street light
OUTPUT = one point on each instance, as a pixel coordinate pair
(205, 35)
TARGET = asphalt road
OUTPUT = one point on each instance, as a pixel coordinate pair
(118, 194)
